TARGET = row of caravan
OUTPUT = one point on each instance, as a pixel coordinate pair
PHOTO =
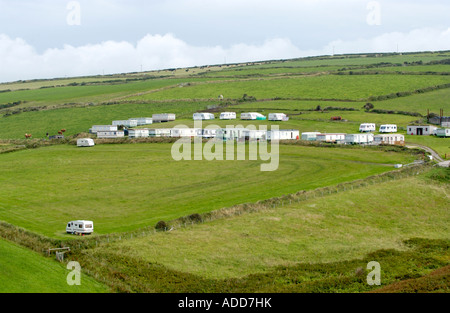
(251, 116)
(370, 127)
(354, 139)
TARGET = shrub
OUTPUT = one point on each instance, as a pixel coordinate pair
(161, 225)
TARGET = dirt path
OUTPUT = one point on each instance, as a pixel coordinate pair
(435, 155)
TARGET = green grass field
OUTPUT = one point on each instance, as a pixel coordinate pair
(24, 271)
(126, 187)
(333, 228)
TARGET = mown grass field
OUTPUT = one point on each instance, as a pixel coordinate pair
(127, 187)
(24, 271)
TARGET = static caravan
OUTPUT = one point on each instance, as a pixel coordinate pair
(163, 118)
(97, 128)
(253, 116)
(138, 133)
(310, 136)
(278, 117)
(367, 127)
(228, 115)
(388, 128)
(248, 134)
(389, 139)
(126, 123)
(283, 134)
(85, 142)
(203, 116)
(111, 134)
(358, 139)
(443, 132)
(331, 138)
(207, 133)
(424, 130)
(240, 134)
(160, 132)
(142, 121)
(183, 132)
(80, 227)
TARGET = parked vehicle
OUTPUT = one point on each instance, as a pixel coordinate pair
(203, 116)
(85, 142)
(367, 127)
(80, 227)
(253, 116)
(279, 117)
(388, 128)
(228, 115)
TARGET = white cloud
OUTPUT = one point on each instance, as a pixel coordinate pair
(20, 61)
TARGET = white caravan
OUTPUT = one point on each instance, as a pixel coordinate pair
(85, 142)
(283, 134)
(278, 117)
(310, 136)
(253, 116)
(203, 116)
(388, 128)
(163, 118)
(228, 115)
(126, 123)
(367, 127)
(361, 139)
(102, 128)
(80, 227)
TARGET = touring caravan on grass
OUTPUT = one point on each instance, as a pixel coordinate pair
(388, 128)
(80, 227)
(203, 116)
(367, 127)
(278, 117)
(228, 115)
(253, 116)
(85, 142)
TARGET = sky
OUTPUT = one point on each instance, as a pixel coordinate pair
(61, 38)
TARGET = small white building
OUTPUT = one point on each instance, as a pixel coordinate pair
(203, 116)
(283, 134)
(389, 139)
(278, 117)
(110, 134)
(388, 128)
(142, 121)
(359, 139)
(421, 130)
(253, 116)
(126, 123)
(443, 132)
(97, 128)
(367, 127)
(138, 133)
(228, 115)
(331, 138)
(310, 136)
(85, 142)
(163, 118)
